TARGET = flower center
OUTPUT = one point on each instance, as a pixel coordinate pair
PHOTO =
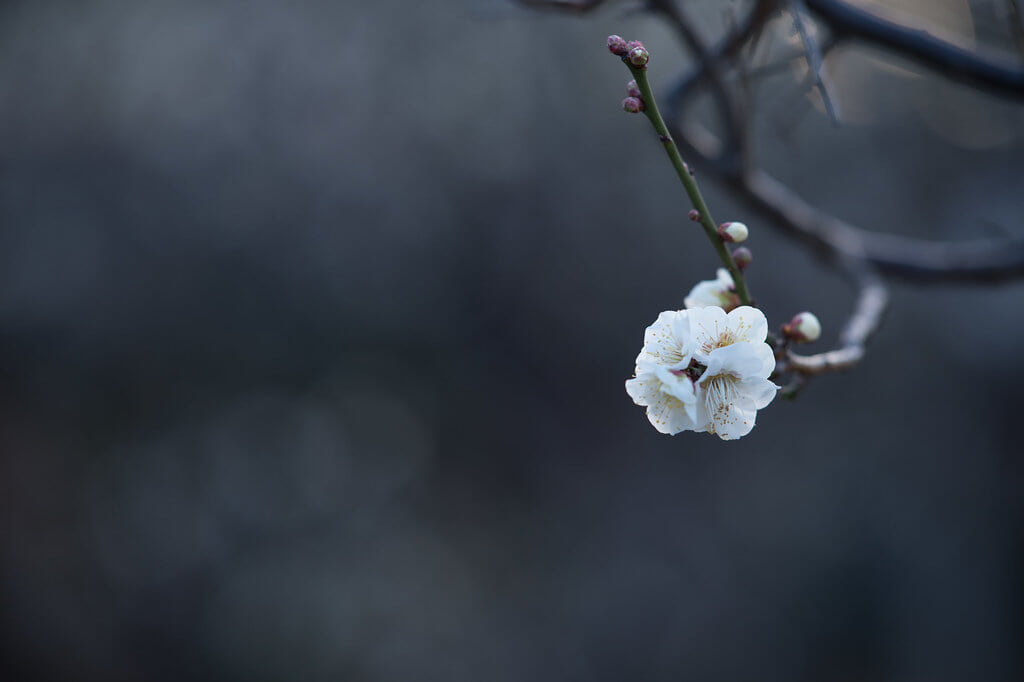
(725, 338)
(720, 394)
(673, 355)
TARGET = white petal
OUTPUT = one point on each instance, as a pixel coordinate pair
(767, 355)
(748, 324)
(713, 292)
(667, 415)
(739, 423)
(644, 388)
(681, 388)
(706, 326)
(759, 391)
(730, 413)
(741, 360)
(666, 341)
(681, 330)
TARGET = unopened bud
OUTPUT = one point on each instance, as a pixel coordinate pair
(803, 328)
(638, 56)
(617, 45)
(633, 105)
(743, 257)
(694, 215)
(633, 43)
(633, 90)
(733, 232)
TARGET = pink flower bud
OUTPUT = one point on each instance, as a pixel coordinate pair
(694, 215)
(633, 105)
(733, 232)
(633, 90)
(803, 328)
(616, 45)
(638, 56)
(633, 43)
(743, 257)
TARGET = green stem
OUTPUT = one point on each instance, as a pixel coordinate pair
(689, 183)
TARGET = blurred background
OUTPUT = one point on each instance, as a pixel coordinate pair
(314, 323)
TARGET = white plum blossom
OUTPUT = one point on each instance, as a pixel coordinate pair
(705, 370)
(734, 384)
(719, 292)
(661, 382)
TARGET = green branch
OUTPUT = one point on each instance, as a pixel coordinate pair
(689, 183)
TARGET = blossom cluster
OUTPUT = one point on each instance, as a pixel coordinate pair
(706, 370)
(719, 292)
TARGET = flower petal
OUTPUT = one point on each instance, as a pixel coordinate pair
(737, 423)
(741, 360)
(759, 391)
(748, 324)
(666, 341)
(706, 326)
(714, 292)
(668, 415)
(643, 388)
(681, 388)
(729, 411)
(767, 355)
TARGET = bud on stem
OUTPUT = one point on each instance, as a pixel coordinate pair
(633, 105)
(743, 257)
(733, 232)
(617, 45)
(803, 328)
(639, 57)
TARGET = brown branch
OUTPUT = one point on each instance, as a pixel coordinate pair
(865, 254)
(953, 61)
(813, 55)
(864, 321)
(919, 260)
(913, 259)
(710, 72)
(904, 257)
(579, 6)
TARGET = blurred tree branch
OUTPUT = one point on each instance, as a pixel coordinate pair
(849, 22)
(728, 154)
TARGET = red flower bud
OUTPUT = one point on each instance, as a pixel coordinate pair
(617, 46)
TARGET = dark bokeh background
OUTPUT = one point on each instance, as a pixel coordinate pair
(314, 319)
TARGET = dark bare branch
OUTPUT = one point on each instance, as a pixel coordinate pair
(867, 255)
(872, 302)
(578, 6)
(850, 22)
(918, 260)
(813, 53)
(907, 258)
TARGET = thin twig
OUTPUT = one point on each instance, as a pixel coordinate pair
(814, 61)
(579, 6)
(866, 254)
(952, 61)
(688, 181)
(864, 321)
(712, 68)
(919, 260)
